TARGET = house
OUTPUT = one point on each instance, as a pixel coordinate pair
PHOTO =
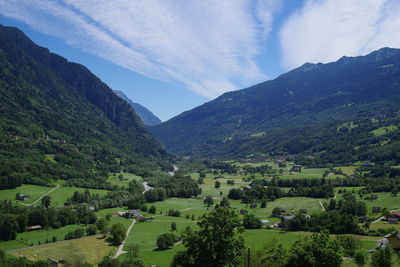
(395, 214)
(121, 213)
(253, 206)
(285, 221)
(136, 214)
(392, 220)
(247, 187)
(33, 227)
(52, 262)
(296, 168)
(394, 240)
(303, 210)
(243, 212)
(22, 197)
(376, 209)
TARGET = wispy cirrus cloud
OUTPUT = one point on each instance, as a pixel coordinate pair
(209, 46)
(325, 30)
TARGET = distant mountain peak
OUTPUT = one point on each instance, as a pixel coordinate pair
(148, 118)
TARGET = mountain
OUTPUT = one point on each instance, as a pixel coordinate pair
(148, 118)
(58, 120)
(350, 88)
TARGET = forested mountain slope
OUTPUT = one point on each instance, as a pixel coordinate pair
(58, 120)
(148, 118)
(348, 89)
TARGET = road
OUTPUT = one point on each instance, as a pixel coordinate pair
(33, 203)
(173, 173)
(146, 187)
(121, 247)
(322, 206)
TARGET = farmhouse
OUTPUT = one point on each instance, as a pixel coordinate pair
(395, 214)
(296, 168)
(303, 210)
(392, 220)
(247, 187)
(253, 206)
(53, 262)
(243, 212)
(22, 197)
(285, 220)
(376, 209)
(133, 214)
(33, 227)
(394, 240)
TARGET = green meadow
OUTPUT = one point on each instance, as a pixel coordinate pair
(34, 191)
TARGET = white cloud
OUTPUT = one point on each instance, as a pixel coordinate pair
(209, 46)
(325, 30)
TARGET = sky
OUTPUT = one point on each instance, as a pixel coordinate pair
(174, 55)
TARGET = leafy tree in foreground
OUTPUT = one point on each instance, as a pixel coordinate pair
(319, 250)
(360, 258)
(217, 243)
(273, 254)
(382, 258)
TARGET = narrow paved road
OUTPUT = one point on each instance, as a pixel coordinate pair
(121, 247)
(322, 206)
(173, 173)
(146, 187)
(33, 203)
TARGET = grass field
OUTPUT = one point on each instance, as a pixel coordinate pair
(383, 130)
(145, 235)
(385, 200)
(87, 249)
(125, 182)
(311, 204)
(60, 195)
(34, 191)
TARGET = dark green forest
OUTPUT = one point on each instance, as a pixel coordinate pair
(59, 121)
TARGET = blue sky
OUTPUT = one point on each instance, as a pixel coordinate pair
(174, 55)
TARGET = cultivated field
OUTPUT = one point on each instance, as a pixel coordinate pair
(87, 249)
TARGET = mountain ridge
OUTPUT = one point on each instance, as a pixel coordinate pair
(62, 119)
(148, 118)
(339, 90)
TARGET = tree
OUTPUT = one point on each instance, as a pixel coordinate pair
(46, 201)
(319, 250)
(209, 201)
(8, 227)
(225, 203)
(102, 225)
(263, 204)
(217, 184)
(152, 209)
(91, 229)
(276, 212)
(117, 232)
(395, 191)
(217, 243)
(165, 241)
(250, 221)
(173, 226)
(332, 204)
(360, 258)
(382, 258)
(273, 254)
